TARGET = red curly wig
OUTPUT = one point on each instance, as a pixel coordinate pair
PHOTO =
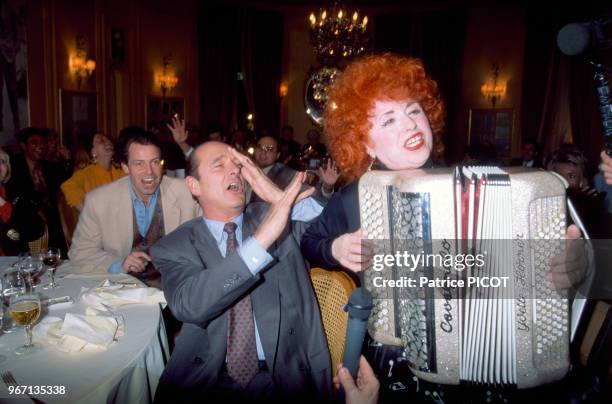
(351, 100)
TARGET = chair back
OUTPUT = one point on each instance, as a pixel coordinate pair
(41, 244)
(69, 217)
(333, 289)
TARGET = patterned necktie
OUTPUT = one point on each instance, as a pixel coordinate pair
(242, 362)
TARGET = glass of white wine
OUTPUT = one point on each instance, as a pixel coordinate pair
(51, 259)
(24, 308)
(14, 282)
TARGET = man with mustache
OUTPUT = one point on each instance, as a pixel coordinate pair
(121, 220)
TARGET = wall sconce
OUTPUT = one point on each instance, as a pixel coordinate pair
(78, 63)
(283, 90)
(493, 90)
(166, 81)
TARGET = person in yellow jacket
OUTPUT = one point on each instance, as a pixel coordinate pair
(101, 171)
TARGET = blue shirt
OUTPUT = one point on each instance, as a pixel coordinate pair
(252, 253)
(144, 216)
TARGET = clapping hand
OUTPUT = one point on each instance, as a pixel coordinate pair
(329, 175)
(261, 184)
(276, 219)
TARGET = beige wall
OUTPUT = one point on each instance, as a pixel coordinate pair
(151, 30)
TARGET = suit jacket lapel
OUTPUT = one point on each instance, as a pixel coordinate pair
(124, 216)
(172, 213)
(266, 303)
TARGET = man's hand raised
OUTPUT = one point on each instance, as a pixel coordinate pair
(276, 219)
(261, 184)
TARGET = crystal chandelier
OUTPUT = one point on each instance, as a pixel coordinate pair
(338, 34)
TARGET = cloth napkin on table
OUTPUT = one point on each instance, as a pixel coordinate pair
(112, 294)
(77, 332)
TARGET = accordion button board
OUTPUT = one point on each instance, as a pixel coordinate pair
(456, 320)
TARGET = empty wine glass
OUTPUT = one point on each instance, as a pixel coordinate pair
(25, 310)
(51, 259)
(32, 265)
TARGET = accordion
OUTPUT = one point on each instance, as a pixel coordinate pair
(458, 275)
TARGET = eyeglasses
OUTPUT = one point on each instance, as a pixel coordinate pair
(266, 147)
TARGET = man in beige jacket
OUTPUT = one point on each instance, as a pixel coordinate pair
(121, 220)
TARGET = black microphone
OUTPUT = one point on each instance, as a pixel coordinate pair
(358, 308)
(574, 38)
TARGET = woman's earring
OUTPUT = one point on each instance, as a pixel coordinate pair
(93, 158)
(371, 163)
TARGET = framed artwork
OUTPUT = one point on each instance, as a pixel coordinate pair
(160, 111)
(78, 114)
(492, 128)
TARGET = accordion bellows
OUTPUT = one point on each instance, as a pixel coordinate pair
(516, 335)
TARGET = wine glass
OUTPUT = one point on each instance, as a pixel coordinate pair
(31, 265)
(2, 357)
(51, 258)
(25, 310)
(14, 282)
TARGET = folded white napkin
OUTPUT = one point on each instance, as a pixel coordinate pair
(79, 332)
(111, 294)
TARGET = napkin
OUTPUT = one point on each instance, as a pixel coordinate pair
(78, 332)
(112, 294)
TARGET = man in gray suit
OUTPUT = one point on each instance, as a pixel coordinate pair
(252, 328)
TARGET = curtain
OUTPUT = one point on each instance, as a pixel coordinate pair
(237, 40)
(559, 97)
(438, 38)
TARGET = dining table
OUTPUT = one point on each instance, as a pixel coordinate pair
(126, 371)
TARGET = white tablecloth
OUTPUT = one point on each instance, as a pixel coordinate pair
(127, 372)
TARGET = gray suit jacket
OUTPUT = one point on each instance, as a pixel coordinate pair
(201, 286)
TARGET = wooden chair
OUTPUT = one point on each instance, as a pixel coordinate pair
(333, 289)
(69, 217)
(41, 244)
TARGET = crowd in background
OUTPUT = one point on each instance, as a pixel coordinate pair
(41, 168)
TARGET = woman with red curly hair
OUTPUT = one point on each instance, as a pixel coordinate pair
(382, 112)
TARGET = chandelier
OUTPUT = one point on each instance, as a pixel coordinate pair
(337, 34)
